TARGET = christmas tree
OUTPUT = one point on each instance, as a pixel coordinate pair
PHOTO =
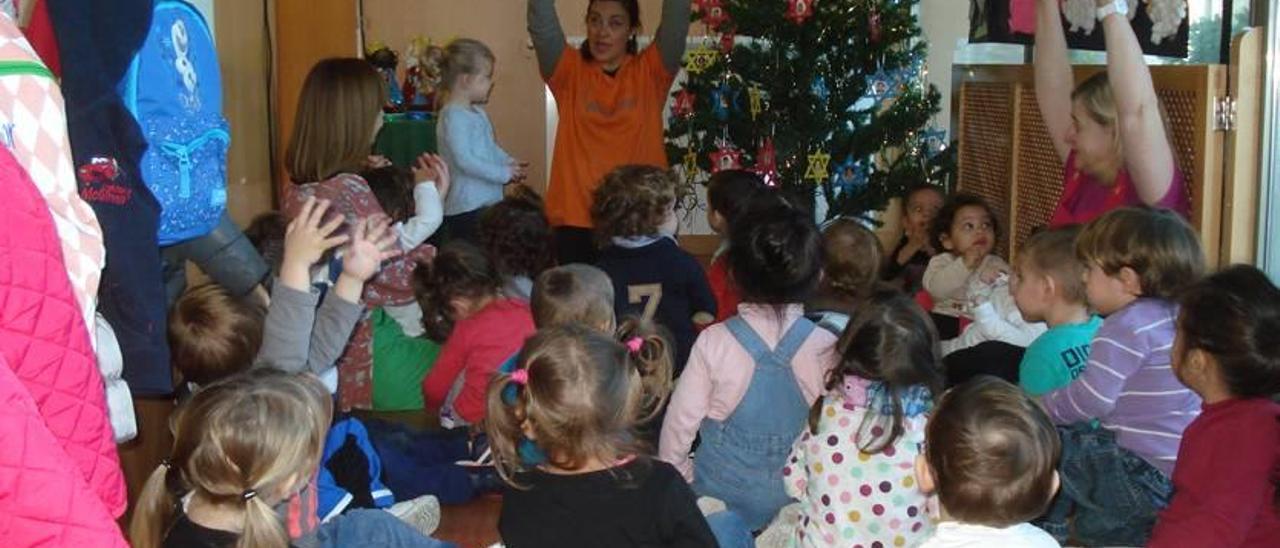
(824, 98)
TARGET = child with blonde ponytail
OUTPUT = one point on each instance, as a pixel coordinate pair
(243, 446)
(579, 394)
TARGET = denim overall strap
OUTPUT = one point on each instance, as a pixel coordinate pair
(741, 458)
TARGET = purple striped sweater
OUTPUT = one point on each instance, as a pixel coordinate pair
(1129, 385)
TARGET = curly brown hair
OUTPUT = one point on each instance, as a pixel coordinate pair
(516, 235)
(633, 200)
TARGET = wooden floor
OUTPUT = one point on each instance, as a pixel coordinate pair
(471, 525)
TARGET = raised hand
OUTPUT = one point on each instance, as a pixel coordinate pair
(431, 167)
(306, 240)
(372, 242)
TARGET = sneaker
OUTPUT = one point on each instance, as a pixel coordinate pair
(422, 513)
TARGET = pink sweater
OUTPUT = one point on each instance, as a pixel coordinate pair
(720, 370)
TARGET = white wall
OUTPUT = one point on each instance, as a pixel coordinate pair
(945, 24)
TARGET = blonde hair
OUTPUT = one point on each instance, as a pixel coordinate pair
(213, 335)
(1099, 101)
(582, 396)
(574, 293)
(1052, 253)
(1161, 248)
(852, 256)
(633, 200)
(239, 441)
(337, 113)
(464, 56)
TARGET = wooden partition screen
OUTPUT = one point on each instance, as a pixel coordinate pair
(1005, 154)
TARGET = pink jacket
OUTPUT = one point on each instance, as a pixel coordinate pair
(719, 372)
(60, 476)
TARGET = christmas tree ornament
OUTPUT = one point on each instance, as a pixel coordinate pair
(767, 162)
(727, 39)
(755, 101)
(881, 86)
(934, 141)
(724, 100)
(819, 89)
(798, 11)
(851, 176)
(819, 167)
(690, 162)
(682, 107)
(699, 59)
(713, 13)
(726, 157)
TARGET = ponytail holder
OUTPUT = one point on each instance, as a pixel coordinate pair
(520, 376)
(634, 344)
(248, 495)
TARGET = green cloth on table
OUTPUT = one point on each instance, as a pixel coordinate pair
(399, 364)
(402, 140)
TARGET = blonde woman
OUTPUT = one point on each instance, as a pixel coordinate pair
(1109, 130)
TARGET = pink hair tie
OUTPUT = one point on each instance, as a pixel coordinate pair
(520, 376)
(634, 344)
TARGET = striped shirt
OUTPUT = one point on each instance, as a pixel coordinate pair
(1129, 385)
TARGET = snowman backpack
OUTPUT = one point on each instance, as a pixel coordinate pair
(174, 89)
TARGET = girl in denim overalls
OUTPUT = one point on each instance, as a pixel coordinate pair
(750, 381)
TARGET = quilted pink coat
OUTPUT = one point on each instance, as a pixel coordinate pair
(60, 477)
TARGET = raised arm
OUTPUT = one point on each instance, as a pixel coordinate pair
(1054, 81)
(1147, 153)
(673, 32)
(546, 34)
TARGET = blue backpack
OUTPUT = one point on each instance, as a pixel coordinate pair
(174, 89)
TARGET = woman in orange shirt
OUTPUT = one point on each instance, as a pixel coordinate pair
(610, 97)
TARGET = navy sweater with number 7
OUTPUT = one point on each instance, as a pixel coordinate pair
(664, 273)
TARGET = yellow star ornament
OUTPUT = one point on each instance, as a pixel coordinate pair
(700, 59)
(818, 167)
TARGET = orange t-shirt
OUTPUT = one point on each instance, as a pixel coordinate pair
(605, 122)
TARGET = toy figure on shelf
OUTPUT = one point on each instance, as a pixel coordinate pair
(385, 60)
(423, 74)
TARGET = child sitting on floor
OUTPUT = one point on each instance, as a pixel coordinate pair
(653, 278)
(1226, 351)
(850, 273)
(212, 335)
(751, 380)
(243, 447)
(1048, 285)
(905, 265)
(578, 394)
(989, 455)
(1115, 477)
(728, 194)
(851, 469)
(965, 270)
(515, 234)
(462, 304)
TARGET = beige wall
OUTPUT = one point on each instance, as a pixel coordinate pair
(242, 53)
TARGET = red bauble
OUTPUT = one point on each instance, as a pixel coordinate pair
(726, 157)
(799, 10)
(713, 13)
(767, 162)
(683, 105)
(726, 42)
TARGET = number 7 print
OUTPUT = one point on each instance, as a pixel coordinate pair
(649, 294)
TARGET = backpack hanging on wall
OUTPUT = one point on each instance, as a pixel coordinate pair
(174, 89)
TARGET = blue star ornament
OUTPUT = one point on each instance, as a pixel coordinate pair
(850, 175)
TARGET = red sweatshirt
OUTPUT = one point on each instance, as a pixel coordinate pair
(478, 345)
(723, 288)
(1224, 484)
